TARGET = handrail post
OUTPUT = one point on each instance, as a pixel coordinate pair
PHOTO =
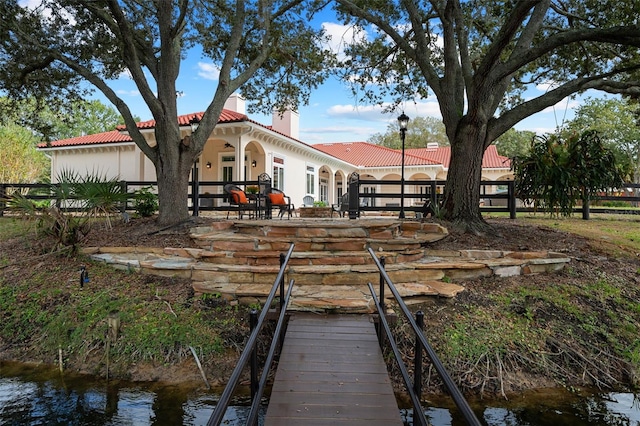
(253, 322)
(382, 284)
(282, 259)
(282, 299)
(381, 303)
(417, 357)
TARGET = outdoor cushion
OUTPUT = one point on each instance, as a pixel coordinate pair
(238, 196)
(277, 198)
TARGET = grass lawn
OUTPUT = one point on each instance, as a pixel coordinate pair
(616, 232)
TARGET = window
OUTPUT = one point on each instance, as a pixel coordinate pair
(278, 173)
(311, 180)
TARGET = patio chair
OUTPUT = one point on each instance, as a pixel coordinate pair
(276, 199)
(307, 201)
(238, 198)
(341, 207)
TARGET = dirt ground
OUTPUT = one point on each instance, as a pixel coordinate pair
(589, 258)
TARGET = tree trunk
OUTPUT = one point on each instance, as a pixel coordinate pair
(173, 166)
(173, 186)
(461, 204)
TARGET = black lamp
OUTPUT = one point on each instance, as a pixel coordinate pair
(403, 121)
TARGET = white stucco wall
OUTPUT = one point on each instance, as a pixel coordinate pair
(109, 161)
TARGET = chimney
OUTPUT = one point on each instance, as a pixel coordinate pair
(235, 103)
(288, 123)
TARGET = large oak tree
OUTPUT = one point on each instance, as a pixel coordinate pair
(265, 48)
(477, 57)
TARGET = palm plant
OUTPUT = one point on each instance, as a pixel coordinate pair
(78, 201)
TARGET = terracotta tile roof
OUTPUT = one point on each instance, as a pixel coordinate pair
(226, 116)
(113, 136)
(116, 136)
(370, 155)
(361, 154)
(490, 160)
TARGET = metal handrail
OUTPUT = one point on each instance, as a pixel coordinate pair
(450, 385)
(234, 379)
(418, 412)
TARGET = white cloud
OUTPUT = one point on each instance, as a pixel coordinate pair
(341, 36)
(339, 133)
(208, 71)
(375, 112)
(128, 92)
(355, 112)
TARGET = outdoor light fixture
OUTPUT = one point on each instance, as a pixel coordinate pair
(208, 164)
(228, 145)
(254, 163)
(403, 121)
(194, 123)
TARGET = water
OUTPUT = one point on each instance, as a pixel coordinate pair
(39, 396)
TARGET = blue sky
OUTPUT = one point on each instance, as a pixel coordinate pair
(332, 115)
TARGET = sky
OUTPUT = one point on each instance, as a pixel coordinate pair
(332, 115)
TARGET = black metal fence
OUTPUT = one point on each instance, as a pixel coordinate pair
(363, 196)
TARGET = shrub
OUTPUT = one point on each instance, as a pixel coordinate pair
(145, 202)
(558, 172)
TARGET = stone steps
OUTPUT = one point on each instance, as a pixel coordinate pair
(331, 285)
(318, 236)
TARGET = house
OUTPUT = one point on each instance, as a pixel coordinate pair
(241, 149)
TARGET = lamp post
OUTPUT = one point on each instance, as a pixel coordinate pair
(403, 121)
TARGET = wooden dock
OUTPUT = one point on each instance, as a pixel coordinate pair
(331, 372)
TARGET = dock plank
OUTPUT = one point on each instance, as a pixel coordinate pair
(331, 371)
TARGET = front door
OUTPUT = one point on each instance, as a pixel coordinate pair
(227, 165)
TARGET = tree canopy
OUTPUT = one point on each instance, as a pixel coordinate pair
(76, 119)
(514, 143)
(20, 162)
(420, 132)
(265, 49)
(478, 58)
(616, 121)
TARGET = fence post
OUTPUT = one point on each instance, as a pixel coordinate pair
(511, 190)
(354, 195)
(124, 188)
(253, 322)
(434, 195)
(3, 197)
(195, 190)
(417, 357)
